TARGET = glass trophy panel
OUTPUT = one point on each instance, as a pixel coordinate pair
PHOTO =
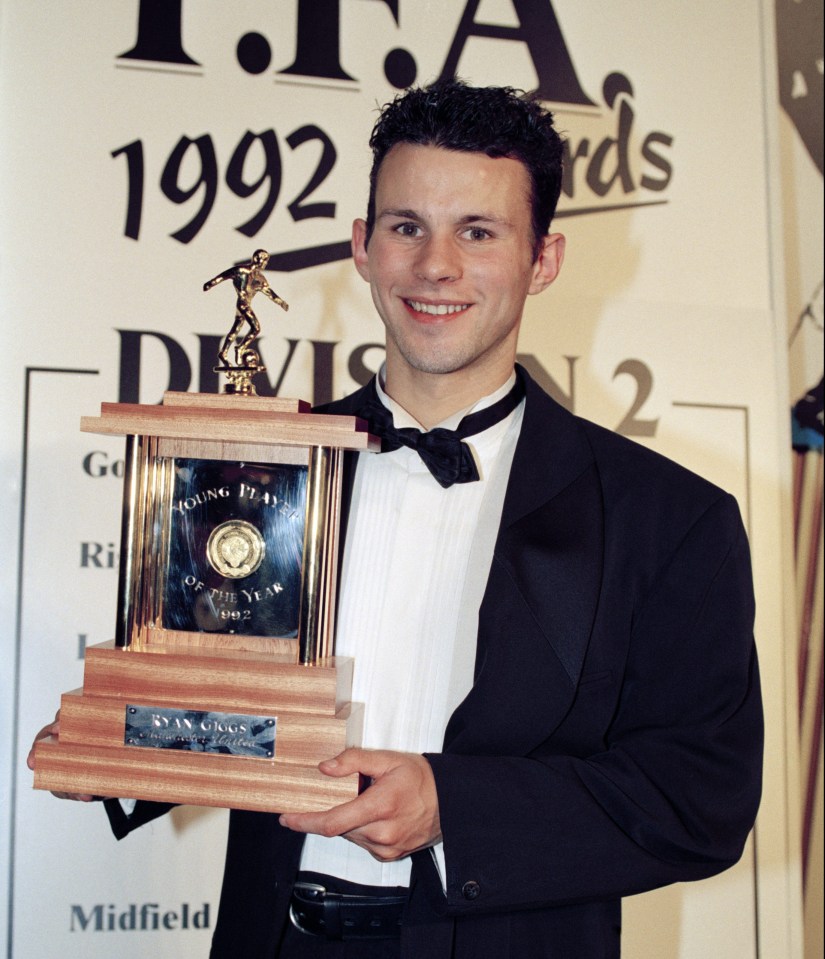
(234, 549)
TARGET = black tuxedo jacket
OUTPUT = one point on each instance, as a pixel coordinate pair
(612, 740)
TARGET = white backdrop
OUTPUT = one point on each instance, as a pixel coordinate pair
(134, 134)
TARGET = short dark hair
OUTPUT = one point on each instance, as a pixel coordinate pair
(496, 121)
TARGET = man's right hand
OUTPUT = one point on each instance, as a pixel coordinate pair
(53, 729)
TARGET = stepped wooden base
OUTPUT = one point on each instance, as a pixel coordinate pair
(314, 721)
(190, 778)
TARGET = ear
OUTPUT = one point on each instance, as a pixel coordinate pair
(359, 249)
(548, 263)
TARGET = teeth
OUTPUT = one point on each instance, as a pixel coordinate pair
(443, 309)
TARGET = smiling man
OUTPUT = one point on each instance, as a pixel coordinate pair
(552, 626)
(554, 641)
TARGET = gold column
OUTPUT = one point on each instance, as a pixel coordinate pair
(131, 540)
(313, 581)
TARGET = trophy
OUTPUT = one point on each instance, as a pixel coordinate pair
(220, 687)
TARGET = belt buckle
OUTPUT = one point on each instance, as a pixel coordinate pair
(316, 892)
(337, 916)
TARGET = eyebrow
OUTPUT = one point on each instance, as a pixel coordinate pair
(466, 220)
(400, 214)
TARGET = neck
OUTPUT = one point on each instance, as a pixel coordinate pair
(432, 397)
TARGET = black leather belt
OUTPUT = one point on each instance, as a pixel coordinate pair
(316, 911)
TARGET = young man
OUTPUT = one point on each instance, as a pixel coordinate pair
(552, 625)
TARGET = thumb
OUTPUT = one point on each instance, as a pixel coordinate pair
(371, 762)
(344, 764)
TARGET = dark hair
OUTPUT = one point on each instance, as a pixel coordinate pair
(497, 121)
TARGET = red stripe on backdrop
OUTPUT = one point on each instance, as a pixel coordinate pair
(808, 489)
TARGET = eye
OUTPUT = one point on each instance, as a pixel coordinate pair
(407, 229)
(477, 233)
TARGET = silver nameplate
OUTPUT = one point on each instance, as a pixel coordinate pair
(234, 734)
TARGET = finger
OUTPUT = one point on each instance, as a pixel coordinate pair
(53, 729)
(336, 821)
(329, 822)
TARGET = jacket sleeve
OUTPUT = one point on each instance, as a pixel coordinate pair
(122, 824)
(673, 793)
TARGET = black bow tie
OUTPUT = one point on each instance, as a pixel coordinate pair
(443, 452)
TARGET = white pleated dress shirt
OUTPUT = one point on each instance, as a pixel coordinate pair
(415, 567)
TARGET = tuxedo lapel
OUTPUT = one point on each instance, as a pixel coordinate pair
(551, 538)
(540, 602)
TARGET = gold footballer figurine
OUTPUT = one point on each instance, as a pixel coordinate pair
(248, 279)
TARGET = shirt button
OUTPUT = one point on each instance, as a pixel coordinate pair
(471, 890)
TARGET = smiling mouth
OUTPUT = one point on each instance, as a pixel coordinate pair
(437, 309)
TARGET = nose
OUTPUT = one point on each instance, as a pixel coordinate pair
(439, 260)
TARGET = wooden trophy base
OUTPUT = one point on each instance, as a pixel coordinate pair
(313, 721)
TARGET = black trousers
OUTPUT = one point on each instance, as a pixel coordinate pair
(298, 945)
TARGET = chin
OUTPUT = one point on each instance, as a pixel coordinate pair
(438, 365)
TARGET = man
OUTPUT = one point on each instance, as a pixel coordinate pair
(552, 632)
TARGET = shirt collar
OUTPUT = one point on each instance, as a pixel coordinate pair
(401, 418)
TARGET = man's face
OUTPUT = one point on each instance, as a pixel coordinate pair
(450, 261)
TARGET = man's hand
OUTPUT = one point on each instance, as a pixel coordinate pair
(53, 729)
(396, 815)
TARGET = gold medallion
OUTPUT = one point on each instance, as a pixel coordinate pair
(235, 549)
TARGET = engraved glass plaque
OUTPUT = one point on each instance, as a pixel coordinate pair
(235, 548)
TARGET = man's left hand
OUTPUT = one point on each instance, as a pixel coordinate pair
(396, 815)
